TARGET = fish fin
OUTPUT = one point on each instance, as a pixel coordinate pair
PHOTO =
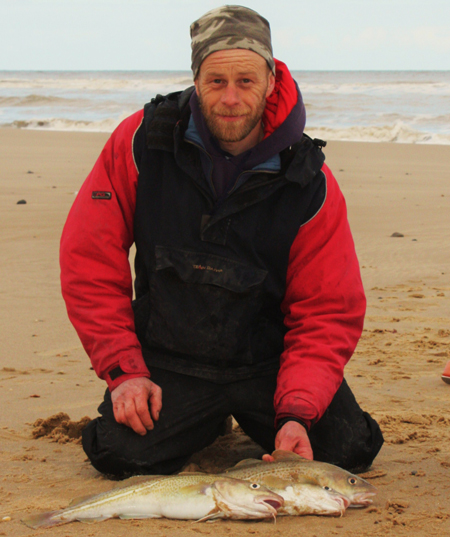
(281, 455)
(192, 473)
(44, 520)
(246, 462)
(131, 481)
(81, 499)
(138, 480)
(215, 513)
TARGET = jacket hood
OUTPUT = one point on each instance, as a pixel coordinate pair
(284, 98)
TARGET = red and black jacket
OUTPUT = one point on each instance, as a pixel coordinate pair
(265, 280)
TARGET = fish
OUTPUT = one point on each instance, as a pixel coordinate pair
(295, 469)
(302, 495)
(189, 497)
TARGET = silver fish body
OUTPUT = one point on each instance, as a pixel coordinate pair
(190, 497)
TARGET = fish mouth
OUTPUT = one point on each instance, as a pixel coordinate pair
(272, 503)
(362, 500)
(342, 503)
(346, 502)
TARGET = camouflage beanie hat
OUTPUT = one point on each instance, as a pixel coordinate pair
(230, 27)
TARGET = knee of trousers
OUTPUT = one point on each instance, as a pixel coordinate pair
(355, 450)
(119, 452)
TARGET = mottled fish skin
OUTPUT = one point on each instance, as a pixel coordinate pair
(188, 496)
(294, 468)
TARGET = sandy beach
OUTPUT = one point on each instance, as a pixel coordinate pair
(400, 189)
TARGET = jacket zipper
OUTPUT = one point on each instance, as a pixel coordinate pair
(211, 183)
(198, 146)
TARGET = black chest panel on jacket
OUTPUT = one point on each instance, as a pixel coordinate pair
(210, 277)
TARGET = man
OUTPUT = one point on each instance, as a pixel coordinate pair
(248, 292)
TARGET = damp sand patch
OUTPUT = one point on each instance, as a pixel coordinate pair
(60, 428)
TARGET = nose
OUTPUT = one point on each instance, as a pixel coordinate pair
(230, 95)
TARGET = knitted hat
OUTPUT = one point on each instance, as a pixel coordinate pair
(230, 27)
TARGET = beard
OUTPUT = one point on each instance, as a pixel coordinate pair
(232, 131)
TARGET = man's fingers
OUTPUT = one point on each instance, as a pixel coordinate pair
(293, 437)
(304, 451)
(142, 411)
(133, 419)
(155, 399)
(119, 413)
(286, 444)
(268, 458)
(134, 414)
(131, 401)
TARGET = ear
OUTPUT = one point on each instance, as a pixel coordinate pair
(271, 84)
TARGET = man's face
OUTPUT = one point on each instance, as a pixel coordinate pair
(232, 87)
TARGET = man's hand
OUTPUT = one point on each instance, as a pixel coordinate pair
(131, 404)
(292, 437)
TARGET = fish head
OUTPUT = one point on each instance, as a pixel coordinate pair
(244, 499)
(309, 497)
(336, 500)
(355, 488)
(363, 498)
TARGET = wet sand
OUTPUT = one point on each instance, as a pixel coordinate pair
(395, 372)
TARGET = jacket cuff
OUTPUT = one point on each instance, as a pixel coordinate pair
(127, 368)
(282, 420)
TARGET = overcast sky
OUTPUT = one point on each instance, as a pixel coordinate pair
(154, 34)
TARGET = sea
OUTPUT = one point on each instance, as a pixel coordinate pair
(369, 106)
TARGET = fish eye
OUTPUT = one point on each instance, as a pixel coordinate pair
(254, 486)
(352, 480)
(326, 488)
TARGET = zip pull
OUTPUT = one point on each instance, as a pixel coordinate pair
(319, 143)
(204, 222)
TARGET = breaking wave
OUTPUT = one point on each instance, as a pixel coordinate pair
(397, 133)
(40, 100)
(59, 124)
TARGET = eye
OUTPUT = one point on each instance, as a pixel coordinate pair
(326, 488)
(352, 480)
(254, 486)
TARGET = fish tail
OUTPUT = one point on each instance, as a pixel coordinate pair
(44, 520)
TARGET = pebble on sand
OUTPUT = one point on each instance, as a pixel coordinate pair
(21, 202)
(397, 234)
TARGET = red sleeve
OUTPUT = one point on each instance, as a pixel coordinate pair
(324, 309)
(95, 273)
